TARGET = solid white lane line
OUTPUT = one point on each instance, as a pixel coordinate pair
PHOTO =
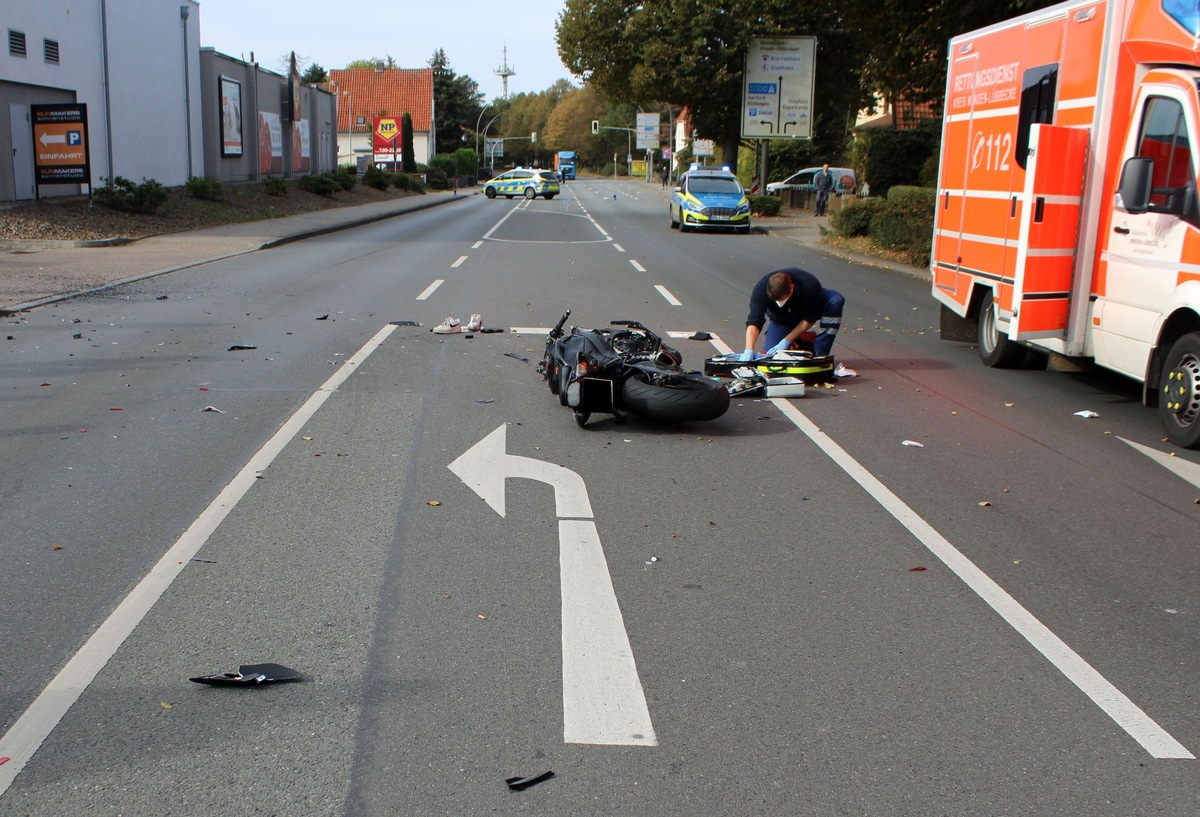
(603, 698)
(459, 262)
(1187, 471)
(663, 291)
(1140, 726)
(636, 265)
(38, 721)
(496, 226)
(429, 290)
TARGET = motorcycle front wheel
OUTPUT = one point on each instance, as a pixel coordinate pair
(682, 399)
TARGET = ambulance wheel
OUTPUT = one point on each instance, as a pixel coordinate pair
(1179, 398)
(490, 192)
(995, 349)
(530, 193)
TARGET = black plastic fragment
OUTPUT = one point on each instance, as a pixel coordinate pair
(405, 323)
(251, 675)
(237, 347)
(520, 783)
(701, 336)
(490, 330)
(518, 357)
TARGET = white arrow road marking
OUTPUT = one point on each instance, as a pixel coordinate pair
(1188, 471)
(603, 699)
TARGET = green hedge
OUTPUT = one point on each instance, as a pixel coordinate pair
(322, 184)
(121, 194)
(855, 218)
(275, 186)
(765, 205)
(201, 188)
(904, 222)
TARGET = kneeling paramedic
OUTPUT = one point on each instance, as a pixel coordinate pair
(795, 302)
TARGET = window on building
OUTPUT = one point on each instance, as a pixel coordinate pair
(16, 43)
(50, 50)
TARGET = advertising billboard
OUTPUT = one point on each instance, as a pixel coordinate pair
(60, 144)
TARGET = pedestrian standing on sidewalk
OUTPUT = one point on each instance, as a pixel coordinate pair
(666, 174)
(823, 182)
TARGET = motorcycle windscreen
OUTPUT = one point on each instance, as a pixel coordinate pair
(1046, 254)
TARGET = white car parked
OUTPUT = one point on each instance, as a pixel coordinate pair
(844, 181)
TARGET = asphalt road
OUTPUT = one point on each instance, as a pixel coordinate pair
(820, 617)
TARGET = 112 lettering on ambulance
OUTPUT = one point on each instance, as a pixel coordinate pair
(1067, 214)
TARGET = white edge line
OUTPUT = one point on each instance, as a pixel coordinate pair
(666, 293)
(25, 736)
(1140, 726)
(429, 290)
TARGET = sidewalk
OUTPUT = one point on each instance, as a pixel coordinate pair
(39, 272)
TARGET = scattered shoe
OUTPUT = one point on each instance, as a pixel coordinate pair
(475, 324)
(449, 327)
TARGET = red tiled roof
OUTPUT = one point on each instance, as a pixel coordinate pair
(390, 92)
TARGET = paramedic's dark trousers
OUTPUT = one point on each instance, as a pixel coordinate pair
(826, 329)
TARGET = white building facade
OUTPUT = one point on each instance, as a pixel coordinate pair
(135, 64)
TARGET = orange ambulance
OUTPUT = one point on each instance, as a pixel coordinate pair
(1067, 213)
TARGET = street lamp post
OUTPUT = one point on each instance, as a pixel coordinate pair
(492, 163)
(478, 119)
(350, 122)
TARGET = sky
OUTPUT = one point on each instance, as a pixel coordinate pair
(473, 33)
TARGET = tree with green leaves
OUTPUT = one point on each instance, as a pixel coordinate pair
(692, 53)
(457, 103)
(373, 63)
(315, 75)
(408, 155)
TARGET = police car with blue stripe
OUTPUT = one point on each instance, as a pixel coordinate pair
(710, 197)
(523, 182)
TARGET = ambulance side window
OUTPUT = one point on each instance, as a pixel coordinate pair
(1038, 89)
(1164, 138)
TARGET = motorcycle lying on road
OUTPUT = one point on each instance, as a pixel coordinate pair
(626, 368)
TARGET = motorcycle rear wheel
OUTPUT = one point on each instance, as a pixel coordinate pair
(691, 398)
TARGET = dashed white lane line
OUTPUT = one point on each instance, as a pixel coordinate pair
(619, 247)
(636, 265)
(477, 245)
(459, 262)
(429, 290)
(25, 736)
(666, 293)
(1114, 703)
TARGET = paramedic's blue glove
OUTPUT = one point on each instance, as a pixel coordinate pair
(782, 346)
(746, 356)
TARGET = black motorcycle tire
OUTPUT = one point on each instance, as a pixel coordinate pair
(691, 398)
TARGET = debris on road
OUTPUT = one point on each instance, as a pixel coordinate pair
(237, 347)
(251, 675)
(1087, 414)
(913, 443)
(519, 783)
(212, 409)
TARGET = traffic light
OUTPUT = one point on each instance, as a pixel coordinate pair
(595, 126)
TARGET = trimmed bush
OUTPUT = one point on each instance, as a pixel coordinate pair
(201, 188)
(403, 181)
(346, 178)
(376, 178)
(121, 194)
(905, 222)
(765, 205)
(855, 218)
(437, 179)
(322, 184)
(275, 186)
